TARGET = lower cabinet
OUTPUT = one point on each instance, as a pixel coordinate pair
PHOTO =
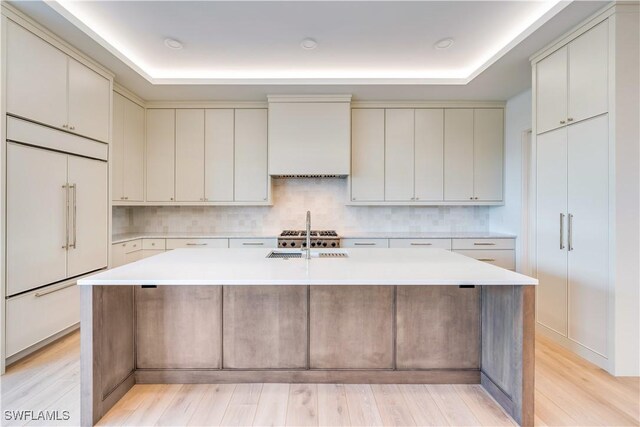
(265, 327)
(38, 315)
(351, 327)
(178, 327)
(438, 327)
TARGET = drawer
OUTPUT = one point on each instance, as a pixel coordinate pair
(500, 258)
(132, 246)
(253, 243)
(37, 315)
(364, 243)
(420, 243)
(197, 243)
(153, 244)
(483, 244)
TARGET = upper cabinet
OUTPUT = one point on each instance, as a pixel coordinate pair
(473, 153)
(572, 82)
(70, 96)
(127, 151)
(427, 156)
(207, 156)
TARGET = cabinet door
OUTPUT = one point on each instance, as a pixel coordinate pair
(488, 157)
(117, 148)
(89, 211)
(367, 154)
(36, 78)
(89, 102)
(251, 178)
(133, 152)
(118, 254)
(189, 155)
(160, 155)
(588, 254)
(588, 74)
(398, 159)
(218, 155)
(429, 154)
(458, 154)
(36, 217)
(551, 91)
(551, 253)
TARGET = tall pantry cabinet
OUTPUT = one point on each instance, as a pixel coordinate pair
(56, 130)
(575, 127)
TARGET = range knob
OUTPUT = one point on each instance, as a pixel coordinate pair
(313, 244)
(284, 243)
(304, 244)
(293, 244)
(324, 244)
(333, 244)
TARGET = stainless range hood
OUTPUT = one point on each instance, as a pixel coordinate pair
(309, 136)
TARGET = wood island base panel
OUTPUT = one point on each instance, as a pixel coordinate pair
(308, 334)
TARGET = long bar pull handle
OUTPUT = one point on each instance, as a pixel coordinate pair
(364, 244)
(50, 291)
(66, 216)
(561, 231)
(570, 238)
(197, 244)
(421, 244)
(74, 245)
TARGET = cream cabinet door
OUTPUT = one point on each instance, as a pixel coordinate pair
(160, 151)
(429, 154)
(551, 91)
(89, 102)
(367, 154)
(189, 155)
(588, 198)
(588, 74)
(88, 249)
(133, 174)
(458, 154)
(251, 178)
(398, 160)
(117, 148)
(218, 155)
(488, 154)
(36, 217)
(551, 226)
(36, 86)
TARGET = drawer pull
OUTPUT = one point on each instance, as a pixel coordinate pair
(486, 259)
(421, 244)
(50, 291)
(484, 244)
(252, 243)
(196, 244)
(364, 244)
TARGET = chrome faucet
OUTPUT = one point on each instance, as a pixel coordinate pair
(308, 248)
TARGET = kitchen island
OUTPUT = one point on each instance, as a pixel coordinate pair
(344, 316)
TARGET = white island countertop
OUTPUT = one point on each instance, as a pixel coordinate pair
(361, 267)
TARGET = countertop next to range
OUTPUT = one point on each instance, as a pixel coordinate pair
(125, 237)
(362, 267)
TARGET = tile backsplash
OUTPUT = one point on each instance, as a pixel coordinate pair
(325, 198)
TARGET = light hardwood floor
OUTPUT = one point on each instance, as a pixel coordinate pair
(569, 391)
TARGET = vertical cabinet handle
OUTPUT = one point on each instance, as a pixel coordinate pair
(570, 238)
(75, 210)
(66, 216)
(561, 231)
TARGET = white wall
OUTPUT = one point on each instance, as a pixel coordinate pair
(508, 218)
(325, 198)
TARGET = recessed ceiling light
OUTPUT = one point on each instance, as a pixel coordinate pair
(444, 43)
(172, 44)
(308, 44)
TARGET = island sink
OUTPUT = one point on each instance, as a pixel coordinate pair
(319, 253)
(376, 316)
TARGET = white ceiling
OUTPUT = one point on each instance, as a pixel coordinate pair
(374, 50)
